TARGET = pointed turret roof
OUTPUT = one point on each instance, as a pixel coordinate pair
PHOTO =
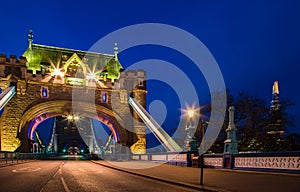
(38, 55)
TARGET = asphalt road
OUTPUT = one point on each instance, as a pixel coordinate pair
(74, 175)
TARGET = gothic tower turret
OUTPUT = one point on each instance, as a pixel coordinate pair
(230, 146)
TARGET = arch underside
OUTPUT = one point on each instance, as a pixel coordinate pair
(38, 113)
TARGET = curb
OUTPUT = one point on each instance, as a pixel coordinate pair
(186, 185)
(12, 164)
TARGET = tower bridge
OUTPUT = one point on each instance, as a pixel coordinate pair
(52, 81)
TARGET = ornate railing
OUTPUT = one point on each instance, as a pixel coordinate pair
(284, 161)
(268, 162)
(15, 157)
(287, 161)
(213, 160)
(171, 156)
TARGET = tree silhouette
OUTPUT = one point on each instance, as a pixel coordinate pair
(251, 119)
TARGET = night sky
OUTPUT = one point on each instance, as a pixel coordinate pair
(254, 42)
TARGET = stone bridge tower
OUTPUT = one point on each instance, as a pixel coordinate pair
(52, 81)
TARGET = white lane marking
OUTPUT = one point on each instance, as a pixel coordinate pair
(55, 174)
(58, 171)
(62, 179)
(26, 169)
(65, 185)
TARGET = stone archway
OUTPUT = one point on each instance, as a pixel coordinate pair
(43, 77)
(38, 113)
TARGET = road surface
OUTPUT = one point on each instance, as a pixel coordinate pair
(75, 175)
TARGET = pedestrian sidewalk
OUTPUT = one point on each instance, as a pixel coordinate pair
(214, 179)
(184, 176)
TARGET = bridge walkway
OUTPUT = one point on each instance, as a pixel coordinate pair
(214, 179)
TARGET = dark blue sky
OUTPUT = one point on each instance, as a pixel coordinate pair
(254, 42)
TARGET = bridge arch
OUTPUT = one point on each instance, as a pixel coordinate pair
(44, 89)
(40, 112)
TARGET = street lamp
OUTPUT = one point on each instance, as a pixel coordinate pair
(71, 117)
(190, 129)
(190, 112)
(76, 118)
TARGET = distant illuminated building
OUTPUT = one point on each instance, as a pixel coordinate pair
(275, 128)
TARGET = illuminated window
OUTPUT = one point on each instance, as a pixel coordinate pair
(44, 92)
(104, 97)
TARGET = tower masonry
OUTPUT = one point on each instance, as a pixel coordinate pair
(48, 79)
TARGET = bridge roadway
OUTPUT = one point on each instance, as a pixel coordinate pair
(74, 175)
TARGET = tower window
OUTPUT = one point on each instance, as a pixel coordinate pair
(141, 83)
(104, 97)
(44, 92)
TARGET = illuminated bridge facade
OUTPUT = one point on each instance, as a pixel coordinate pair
(52, 81)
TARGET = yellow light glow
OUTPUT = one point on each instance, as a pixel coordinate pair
(275, 88)
(69, 117)
(190, 113)
(76, 118)
(57, 72)
(91, 76)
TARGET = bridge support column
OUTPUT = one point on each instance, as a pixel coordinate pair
(139, 127)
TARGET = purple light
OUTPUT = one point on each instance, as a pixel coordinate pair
(30, 127)
(104, 97)
(44, 92)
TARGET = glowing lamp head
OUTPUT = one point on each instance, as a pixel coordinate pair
(76, 118)
(57, 72)
(69, 117)
(190, 113)
(91, 76)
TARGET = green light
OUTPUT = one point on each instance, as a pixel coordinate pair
(113, 69)
(64, 150)
(81, 150)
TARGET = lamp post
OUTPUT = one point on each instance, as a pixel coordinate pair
(202, 126)
(189, 128)
(190, 112)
